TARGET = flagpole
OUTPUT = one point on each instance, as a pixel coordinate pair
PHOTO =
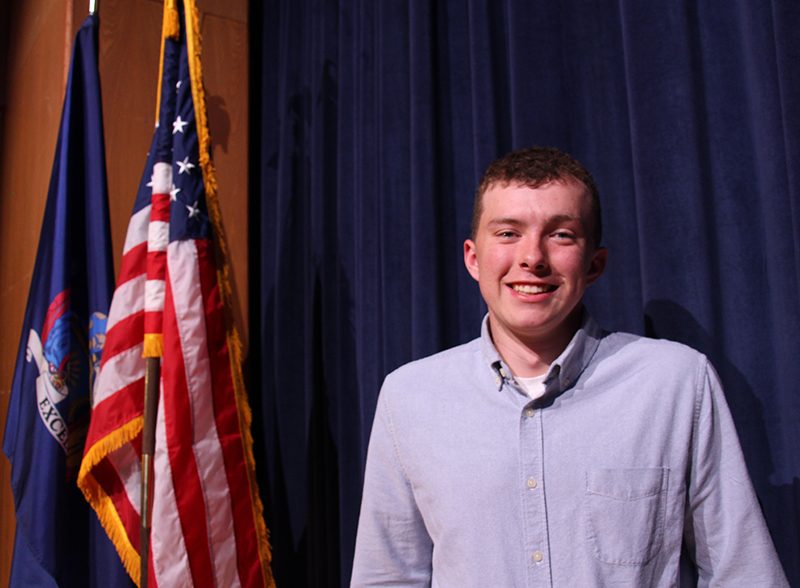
(152, 379)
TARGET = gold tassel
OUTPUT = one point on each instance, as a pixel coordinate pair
(172, 24)
(153, 345)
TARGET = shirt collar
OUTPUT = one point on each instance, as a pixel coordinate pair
(564, 371)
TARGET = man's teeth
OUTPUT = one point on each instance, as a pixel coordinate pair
(530, 289)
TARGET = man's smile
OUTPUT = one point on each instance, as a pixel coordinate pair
(533, 289)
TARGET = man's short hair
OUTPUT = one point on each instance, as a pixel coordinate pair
(533, 167)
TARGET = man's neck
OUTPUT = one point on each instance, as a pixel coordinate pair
(530, 357)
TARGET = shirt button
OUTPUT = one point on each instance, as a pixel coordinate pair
(537, 557)
(497, 379)
(529, 412)
(531, 482)
(566, 381)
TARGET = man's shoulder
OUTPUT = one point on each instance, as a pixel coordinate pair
(627, 347)
(662, 376)
(421, 390)
(454, 359)
(443, 376)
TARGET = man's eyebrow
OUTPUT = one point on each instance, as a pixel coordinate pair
(558, 218)
(505, 221)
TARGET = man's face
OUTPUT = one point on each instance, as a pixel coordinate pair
(533, 257)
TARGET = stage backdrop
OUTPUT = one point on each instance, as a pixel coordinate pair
(376, 121)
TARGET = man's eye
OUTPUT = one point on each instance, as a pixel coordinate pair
(564, 235)
(507, 234)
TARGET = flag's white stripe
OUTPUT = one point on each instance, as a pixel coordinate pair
(128, 300)
(170, 558)
(184, 276)
(137, 229)
(162, 178)
(129, 469)
(154, 295)
(120, 371)
(158, 236)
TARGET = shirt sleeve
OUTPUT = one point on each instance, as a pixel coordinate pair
(725, 531)
(393, 547)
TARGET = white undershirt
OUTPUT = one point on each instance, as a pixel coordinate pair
(534, 386)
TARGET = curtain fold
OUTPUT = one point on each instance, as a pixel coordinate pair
(376, 122)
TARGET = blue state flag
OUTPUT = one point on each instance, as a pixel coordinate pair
(59, 541)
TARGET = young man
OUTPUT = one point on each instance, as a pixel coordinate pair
(548, 452)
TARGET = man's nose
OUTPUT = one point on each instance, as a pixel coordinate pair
(533, 255)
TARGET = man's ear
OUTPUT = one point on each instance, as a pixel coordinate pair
(597, 265)
(471, 259)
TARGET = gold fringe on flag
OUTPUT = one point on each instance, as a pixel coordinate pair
(101, 502)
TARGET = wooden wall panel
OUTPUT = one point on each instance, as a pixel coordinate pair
(225, 43)
(130, 41)
(32, 78)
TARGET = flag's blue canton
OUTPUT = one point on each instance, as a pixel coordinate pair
(145, 194)
(175, 141)
(188, 215)
(161, 147)
(178, 144)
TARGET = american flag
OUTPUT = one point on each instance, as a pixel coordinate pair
(207, 523)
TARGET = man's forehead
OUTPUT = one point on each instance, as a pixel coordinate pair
(534, 185)
(539, 190)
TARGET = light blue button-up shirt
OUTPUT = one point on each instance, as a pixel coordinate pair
(629, 457)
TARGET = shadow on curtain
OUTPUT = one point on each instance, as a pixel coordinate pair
(374, 122)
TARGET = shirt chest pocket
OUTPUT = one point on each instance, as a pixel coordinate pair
(624, 512)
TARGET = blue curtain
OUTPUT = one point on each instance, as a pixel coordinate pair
(373, 122)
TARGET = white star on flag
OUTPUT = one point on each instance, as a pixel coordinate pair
(173, 194)
(193, 209)
(185, 166)
(177, 126)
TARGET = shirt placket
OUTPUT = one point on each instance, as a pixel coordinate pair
(532, 491)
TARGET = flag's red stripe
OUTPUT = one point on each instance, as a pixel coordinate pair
(178, 422)
(127, 333)
(227, 422)
(109, 480)
(160, 210)
(156, 265)
(116, 410)
(153, 321)
(133, 263)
